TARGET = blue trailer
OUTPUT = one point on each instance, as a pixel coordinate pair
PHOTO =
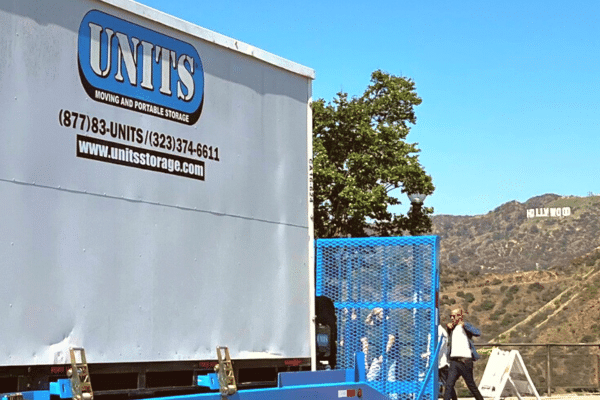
(384, 293)
(310, 384)
(317, 385)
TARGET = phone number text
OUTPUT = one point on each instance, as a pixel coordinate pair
(130, 133)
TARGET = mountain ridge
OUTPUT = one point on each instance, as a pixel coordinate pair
(506, 240)
(513, 274)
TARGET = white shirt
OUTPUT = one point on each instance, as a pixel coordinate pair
(460, 343)
(443, 356)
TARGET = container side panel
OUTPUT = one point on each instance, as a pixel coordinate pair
(152, 192)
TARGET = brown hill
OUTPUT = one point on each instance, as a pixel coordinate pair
(539, 307)
(505, 240)
(525, 280)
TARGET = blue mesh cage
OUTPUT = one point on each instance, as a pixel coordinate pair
(385, 296)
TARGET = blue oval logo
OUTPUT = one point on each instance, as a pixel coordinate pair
(129, 66)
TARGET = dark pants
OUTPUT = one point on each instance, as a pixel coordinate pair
(462, 368)
(443, 375)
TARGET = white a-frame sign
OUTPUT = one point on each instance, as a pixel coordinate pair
(505, 375)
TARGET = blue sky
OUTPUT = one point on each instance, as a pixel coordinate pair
(511, 90)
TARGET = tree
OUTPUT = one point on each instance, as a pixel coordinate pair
(360, 155)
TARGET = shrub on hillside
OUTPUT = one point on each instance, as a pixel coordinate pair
(507, 320)
(447, 301)
(498, 236)
(508, 297)
(496, 315)
(536, 287)
(487, 305)
(446, 280)
(588, 339)
(469, 297)
(485, 290)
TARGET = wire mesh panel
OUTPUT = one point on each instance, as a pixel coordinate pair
(384, 291)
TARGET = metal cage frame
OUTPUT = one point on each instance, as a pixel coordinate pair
(383, 287)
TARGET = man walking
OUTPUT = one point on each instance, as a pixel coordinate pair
(462, 354)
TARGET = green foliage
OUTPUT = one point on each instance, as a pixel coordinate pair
(507, 298)
(496, 315)
(469, 297)
(513, 289)
(447, 301)
(485, 290)
(463, 276)
(507, 320)
(361, 154)
(487, 305)
(461, 294)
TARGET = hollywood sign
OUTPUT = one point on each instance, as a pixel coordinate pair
(549, 212)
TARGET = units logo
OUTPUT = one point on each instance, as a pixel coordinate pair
(129, 66)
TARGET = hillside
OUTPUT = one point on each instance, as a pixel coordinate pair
(538, 307)
(525, 280)
(505, 240)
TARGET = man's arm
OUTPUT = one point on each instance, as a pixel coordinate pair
(471, 329)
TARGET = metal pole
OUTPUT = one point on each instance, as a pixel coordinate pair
(549, 373)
